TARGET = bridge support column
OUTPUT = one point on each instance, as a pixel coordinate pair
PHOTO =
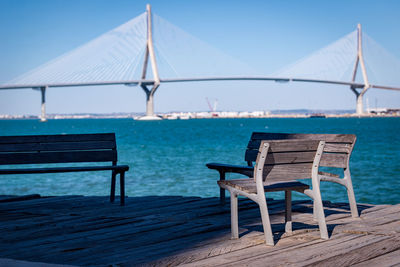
(149, 105)
(360, 59)
(359, 103)
(43, 108)
(156, 83)
(150, 102)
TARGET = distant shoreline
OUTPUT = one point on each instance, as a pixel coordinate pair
(203, 115)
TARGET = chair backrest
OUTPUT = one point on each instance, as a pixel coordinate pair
(63, 148)
(337, 150)
(287, 159)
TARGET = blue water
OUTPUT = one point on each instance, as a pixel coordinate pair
(169, 157)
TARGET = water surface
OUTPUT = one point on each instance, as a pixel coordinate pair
(169, 157)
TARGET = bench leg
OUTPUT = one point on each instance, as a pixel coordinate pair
(319, 210)
(234, 216)
(122, 187)
(222, 190)
(269, 238)
(350, 194)
(112, 193)
(288, 212)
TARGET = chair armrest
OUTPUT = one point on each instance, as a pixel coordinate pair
(225, 168)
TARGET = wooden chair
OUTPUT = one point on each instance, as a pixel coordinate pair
(278, 165)
(336, 155)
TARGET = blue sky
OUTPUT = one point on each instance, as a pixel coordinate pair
(266, 35)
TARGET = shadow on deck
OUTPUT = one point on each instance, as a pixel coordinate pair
(173, 230)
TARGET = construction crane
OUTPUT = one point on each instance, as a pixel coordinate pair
(213, 109)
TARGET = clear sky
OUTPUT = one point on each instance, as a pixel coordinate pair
(266, 35)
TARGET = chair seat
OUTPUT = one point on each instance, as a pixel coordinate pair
(248, 185)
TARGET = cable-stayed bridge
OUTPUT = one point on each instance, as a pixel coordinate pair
(148, 51)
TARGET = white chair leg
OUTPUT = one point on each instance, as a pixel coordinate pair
(319, 211)
(234, 216)
(350, 194)
(262, 203)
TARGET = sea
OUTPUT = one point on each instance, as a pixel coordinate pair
(168, 157)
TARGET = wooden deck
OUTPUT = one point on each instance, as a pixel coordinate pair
(174, 230)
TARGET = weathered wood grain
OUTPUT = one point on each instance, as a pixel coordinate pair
(337, 149)
(388, 259)
(193, 231)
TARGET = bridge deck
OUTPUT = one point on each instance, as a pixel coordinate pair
(173, 230)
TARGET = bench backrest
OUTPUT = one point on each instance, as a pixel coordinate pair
(337, 150)
(63, 148)
(287, 159)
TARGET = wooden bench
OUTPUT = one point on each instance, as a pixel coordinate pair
(336, 155)
(279, 164)
(64, 148)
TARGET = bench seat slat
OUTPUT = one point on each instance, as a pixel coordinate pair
(333, 160)
(280, 146)
(290, 157)
(329, 147)
(57, 138)
(58, 157)
(327, 160)
(65, 169)
(330, 138)
(249, 186)
(287, 172)
(57, 146)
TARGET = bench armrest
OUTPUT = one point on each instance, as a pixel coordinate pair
(227, 168)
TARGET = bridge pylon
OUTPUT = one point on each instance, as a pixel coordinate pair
(360, 60)
(43, 108)
(150, 53)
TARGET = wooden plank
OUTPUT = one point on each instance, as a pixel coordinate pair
(287, 172)
(290, 256)
(334, 138)
(387, 259)
(345, 148)
(292, 145)
(117, 168)
(290, 157)
(58, 157)
(276, 157)
(248, 185)
(329, 147)
(242, 257)
(355, 252)
(334, 160)
(57, 146)
(56, 138)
